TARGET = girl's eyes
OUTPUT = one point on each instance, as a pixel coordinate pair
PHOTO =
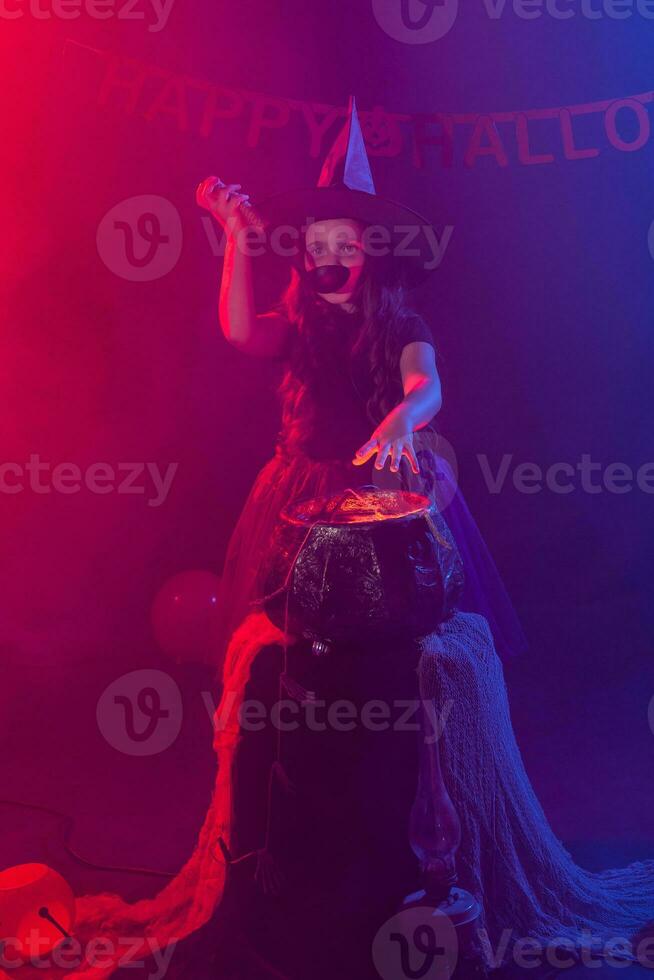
(346, 247)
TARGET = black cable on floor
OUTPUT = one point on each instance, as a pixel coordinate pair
(69, 823)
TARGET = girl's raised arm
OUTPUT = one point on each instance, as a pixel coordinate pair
(263, 334)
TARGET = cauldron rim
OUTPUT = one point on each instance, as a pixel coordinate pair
(421, 502)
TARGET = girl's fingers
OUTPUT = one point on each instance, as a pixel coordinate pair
(396, 456)
(206, 188)
(201, 189)
(410, 454)
(382, 456)
(365, 452)
(213, 185)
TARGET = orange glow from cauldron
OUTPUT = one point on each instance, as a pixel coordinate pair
(357, 507)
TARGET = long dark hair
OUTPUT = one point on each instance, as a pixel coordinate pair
(380, 297)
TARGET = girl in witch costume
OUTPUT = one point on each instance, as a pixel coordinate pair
(360, 391)
(359, 396)
(361, 385)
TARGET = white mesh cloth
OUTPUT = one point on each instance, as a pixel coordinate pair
(510, 859)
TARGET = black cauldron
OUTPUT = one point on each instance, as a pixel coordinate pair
(365, 564)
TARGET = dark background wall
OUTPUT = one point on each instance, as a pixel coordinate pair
(542, 311)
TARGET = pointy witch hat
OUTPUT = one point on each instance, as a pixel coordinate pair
(346, 189)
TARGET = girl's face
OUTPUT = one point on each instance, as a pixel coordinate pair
(336, 241)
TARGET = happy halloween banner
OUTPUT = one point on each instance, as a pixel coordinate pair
(446, 139)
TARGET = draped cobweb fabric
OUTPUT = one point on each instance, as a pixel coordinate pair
(510, 859)
(133, 930)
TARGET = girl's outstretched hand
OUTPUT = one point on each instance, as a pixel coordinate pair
(221, 200)
(388, 441)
